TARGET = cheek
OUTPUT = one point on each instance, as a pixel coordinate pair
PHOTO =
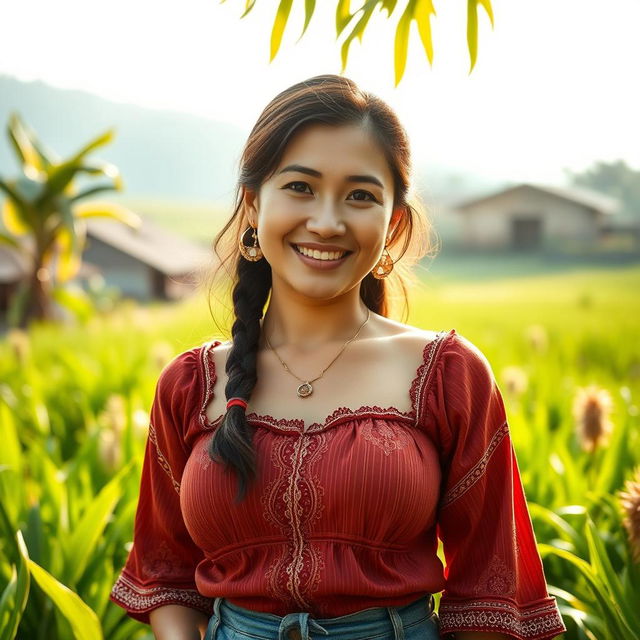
(274, 225)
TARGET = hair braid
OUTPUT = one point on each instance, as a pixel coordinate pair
(233, 440)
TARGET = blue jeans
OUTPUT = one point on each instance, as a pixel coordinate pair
(414, 621)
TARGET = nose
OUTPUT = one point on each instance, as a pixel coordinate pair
(326, 220)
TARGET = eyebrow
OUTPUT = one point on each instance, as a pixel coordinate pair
(312, 172)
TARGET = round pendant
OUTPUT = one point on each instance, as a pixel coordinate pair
(305, 389)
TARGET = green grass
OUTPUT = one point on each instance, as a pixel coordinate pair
(59, 493)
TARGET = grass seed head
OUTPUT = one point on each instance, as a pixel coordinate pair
(20, 344)
(537, 337)
(515, 380)
(591, 409)
(630, 502)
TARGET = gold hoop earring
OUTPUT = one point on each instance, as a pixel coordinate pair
(384, 266)
(253, 253)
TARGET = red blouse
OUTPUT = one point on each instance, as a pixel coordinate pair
(347, 514)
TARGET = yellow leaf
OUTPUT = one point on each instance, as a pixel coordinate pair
(12, 219)
(20, 139)
(279, 25)
(343, 15)
(107, 210)
(423, 18)
(472, 31)
(69, 253)
(487, 7)
(401, 43)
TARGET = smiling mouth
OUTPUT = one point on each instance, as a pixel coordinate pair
(320, 255)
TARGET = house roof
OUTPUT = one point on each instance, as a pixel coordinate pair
(13, 264)
(152, 244)
(580, 195)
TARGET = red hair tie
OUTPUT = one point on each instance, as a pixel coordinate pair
(237, 401)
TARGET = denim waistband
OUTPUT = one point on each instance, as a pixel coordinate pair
(368, 623)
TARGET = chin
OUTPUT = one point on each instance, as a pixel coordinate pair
(317, 291)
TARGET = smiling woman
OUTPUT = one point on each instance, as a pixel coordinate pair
(299, 477)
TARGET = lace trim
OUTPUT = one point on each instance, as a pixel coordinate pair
(417, 392)
(138, 599)
(341, 413)
(161, 459)
(477, 471)
(206, 389)
(422, 381)
(535, 623)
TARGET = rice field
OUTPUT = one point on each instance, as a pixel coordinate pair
(564, 346)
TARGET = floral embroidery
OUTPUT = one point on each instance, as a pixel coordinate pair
(477, 471)
(497, 580)
(161, 561)
(204, 459)
(385, 435)
(161, 458)
(292, 502)
(540, 621)
(138, 599)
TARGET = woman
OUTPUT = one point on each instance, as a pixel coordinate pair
(297, 478)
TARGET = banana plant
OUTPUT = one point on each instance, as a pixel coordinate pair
(45, 218)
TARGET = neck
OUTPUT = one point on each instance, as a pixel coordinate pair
(306, 326)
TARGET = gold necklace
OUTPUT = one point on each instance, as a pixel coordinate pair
(305, 389)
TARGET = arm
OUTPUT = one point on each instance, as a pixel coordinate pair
(495, 585)
(175, 622)
(161, 565)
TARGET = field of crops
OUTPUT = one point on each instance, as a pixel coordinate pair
(564, 347)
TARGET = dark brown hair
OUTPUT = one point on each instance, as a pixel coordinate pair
(332, 100)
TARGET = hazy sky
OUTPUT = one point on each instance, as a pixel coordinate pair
(556, 83)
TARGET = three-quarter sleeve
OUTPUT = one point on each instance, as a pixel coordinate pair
(160, 567)
(494, 578)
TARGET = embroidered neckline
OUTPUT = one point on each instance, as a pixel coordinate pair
(417, 392)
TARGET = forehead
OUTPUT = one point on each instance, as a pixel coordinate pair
(336, 151)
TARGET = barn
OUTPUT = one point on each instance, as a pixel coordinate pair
(531, 216)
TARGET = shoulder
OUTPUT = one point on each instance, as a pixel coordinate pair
(464, 360)
(460, 364)
(213, 355)
(406, 341)
(182, 374)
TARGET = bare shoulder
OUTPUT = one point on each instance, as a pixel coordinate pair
(220, 353)
(403, 333)
(403, 340)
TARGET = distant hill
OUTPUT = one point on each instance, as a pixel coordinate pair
(161, 154)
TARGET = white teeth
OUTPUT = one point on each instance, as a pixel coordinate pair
(320, 255)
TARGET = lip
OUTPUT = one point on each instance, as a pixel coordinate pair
(321, 265)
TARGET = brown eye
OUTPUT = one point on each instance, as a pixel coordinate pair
(304, 184)
(366, 193)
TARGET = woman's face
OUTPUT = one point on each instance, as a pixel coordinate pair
(324, 216)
